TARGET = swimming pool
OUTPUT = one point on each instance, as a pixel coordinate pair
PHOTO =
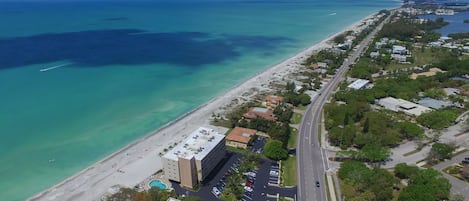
(158, 184)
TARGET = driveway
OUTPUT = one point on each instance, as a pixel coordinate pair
(457, 186)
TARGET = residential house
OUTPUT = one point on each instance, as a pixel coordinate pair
(451, 91)
(322, 65)
(397, 49)
(359, 84)
(435, 44)
(374, 55)
(399, 58)
(379, 45)
(434, 103)
(320, 71)
(273, 101)
(255, 112)
(465, 48)
(400, 105)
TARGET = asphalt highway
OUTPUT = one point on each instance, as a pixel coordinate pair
(312, 158)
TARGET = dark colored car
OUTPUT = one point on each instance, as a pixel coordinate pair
(317, 183)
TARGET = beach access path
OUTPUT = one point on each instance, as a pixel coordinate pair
(140, 159)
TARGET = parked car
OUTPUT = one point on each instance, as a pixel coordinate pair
(215, 191)
(249, 184)
(252, 174)
(273, 173)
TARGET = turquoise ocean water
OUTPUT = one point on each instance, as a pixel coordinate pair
(130, 67)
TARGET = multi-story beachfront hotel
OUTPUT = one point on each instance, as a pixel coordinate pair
(192, 160)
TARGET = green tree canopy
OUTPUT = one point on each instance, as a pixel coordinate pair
(436, 93)
(275, 150)
(354, 172)
(427, 185)
(440, 151)
(405, 171)
(373, 153)
(437, 119)
(409, 130)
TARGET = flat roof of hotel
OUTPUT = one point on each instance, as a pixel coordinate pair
(198, 144)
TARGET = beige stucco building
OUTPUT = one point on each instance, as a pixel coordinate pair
(192, 160)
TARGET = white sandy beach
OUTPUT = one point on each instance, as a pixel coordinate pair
(140, 159)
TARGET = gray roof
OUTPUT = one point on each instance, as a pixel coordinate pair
(434, 103)
(358, 84)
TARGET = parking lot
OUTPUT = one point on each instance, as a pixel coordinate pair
(258, 183)
(258, 145)
(274, 174)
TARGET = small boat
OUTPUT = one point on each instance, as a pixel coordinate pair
(54, 67)
(52, 160)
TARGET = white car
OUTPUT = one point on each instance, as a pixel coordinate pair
(273, 173)
(215, 191)
(252, 174)
(248, 189)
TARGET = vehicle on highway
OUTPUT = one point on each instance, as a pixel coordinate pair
(317, 184)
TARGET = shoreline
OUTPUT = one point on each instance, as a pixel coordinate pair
(140, 158)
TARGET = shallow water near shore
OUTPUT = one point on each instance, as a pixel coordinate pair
(81, 80)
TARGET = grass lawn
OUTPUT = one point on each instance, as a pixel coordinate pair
(292, 138)
(296, 118)
(301, 107)
(289, 171)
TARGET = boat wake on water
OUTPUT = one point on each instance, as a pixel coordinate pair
(54, 67)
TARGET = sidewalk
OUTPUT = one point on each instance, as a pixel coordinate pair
(330, 185)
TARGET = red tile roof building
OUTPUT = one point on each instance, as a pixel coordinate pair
(255, 112)
(240, 137)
